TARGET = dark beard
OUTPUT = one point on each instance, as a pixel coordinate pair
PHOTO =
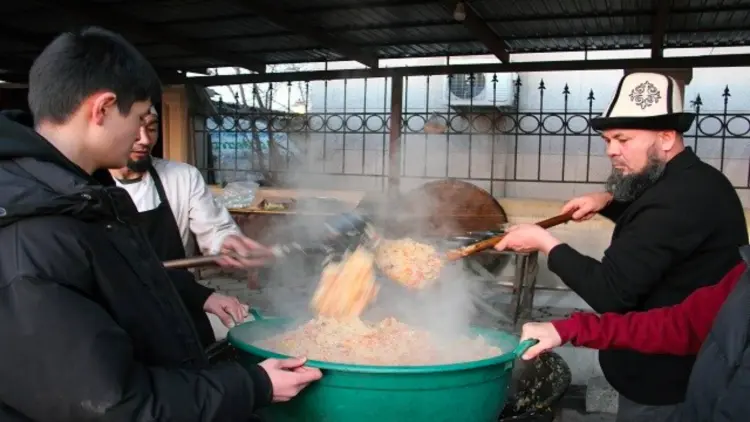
(628, 187)
(140, 166)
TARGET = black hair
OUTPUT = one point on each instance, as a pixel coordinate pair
(19, 116)
(78, 64)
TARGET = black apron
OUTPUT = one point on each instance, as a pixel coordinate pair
(164, 234)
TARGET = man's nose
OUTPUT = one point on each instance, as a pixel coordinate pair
(142, 137)
(613, 149)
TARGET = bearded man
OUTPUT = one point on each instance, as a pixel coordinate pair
(678, 227)
(178, 212)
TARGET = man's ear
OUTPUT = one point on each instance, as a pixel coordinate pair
(99, 105)
(667, 139)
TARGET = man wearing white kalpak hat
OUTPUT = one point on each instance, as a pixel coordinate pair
(678, 227)
(176, 207)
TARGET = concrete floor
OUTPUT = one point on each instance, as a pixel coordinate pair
(569, 415)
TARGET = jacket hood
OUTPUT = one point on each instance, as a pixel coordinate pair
(36, 180)
(19, 116)
(18, 140)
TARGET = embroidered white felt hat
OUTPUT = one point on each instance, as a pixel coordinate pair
(649, 101)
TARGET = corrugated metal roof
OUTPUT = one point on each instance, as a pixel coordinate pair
(241, 29)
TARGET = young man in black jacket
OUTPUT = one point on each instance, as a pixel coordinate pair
(678, 227)
(193, 294)
(91, 325)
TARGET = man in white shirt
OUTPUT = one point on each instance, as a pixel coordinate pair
(178, 212)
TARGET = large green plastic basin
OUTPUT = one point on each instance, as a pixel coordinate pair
(472, 391)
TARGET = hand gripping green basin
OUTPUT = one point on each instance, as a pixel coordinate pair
(471, 391)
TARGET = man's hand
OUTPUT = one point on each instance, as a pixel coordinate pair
(243, 246)
(289, 377)
(586, 206)
(545, 332)
(227, 308)
(528, 238)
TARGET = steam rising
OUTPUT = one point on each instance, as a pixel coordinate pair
(446, 308)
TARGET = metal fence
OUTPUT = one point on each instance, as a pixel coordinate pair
(486, 129)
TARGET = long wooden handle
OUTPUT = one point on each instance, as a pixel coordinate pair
(459, 253)
(209, 260)
(193, 262)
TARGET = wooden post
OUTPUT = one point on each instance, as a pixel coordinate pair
(176, 128)
(394, 144)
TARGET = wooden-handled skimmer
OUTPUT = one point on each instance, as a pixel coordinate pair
(342, 226)
(274, 252)
(204, 261)
(459, 253)
(408, 280)
(346, 288)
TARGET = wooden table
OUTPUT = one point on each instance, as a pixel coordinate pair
(274, 227)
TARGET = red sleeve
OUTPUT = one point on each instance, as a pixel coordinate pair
(675, 330)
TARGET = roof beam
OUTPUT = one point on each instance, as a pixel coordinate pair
(14, 78)
(659, 27)
(723, 60)
(18, 69)
(170, 76)
(508, 18)
(199, 70)
(479, 28)
(24, 37)
(278, 16)
(15, 67)
(578, 47)
(15, 64)
(120, 22)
